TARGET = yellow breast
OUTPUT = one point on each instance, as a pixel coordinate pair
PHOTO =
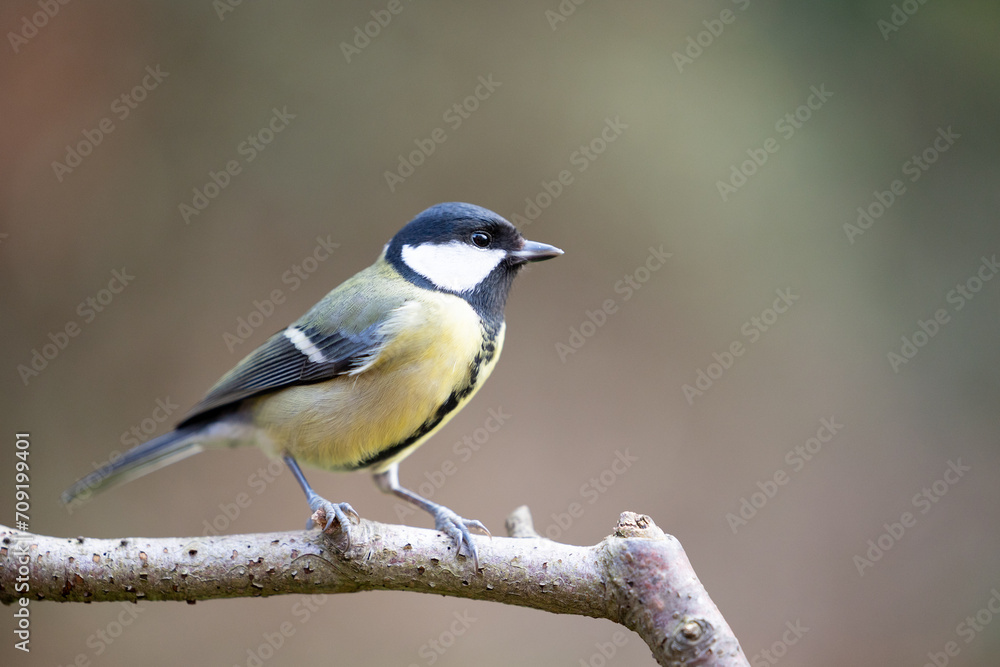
(437, 357)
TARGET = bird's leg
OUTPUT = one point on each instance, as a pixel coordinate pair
(316, 501)
(445, 520)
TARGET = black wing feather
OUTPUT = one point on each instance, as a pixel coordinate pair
(279, 363)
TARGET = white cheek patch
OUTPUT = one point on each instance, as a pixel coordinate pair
(453, 266)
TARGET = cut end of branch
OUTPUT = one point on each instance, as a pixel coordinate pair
(633, 524)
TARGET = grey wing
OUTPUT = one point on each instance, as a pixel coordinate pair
(297, 355)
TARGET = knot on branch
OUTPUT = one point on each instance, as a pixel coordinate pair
(690, 642)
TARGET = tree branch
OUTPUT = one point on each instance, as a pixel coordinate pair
(638, 576)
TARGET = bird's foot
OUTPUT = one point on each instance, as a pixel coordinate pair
(458, 529)
(340, 512)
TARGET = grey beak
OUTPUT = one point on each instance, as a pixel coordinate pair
(535, 252)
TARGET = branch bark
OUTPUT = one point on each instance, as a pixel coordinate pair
(638, 576)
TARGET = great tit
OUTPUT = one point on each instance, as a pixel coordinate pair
(370, 372)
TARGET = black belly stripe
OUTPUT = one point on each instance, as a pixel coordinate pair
(485, 355)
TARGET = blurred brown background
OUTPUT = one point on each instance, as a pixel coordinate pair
(686, 118)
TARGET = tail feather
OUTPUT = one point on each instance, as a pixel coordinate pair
(138, 461)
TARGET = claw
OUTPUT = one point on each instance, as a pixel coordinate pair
(478, 527)
(458, 529)
(338, 511)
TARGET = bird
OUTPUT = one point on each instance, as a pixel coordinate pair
(369, 373)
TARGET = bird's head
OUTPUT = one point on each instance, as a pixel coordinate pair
(466, 250)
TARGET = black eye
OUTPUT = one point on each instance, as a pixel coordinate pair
(481, 239)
